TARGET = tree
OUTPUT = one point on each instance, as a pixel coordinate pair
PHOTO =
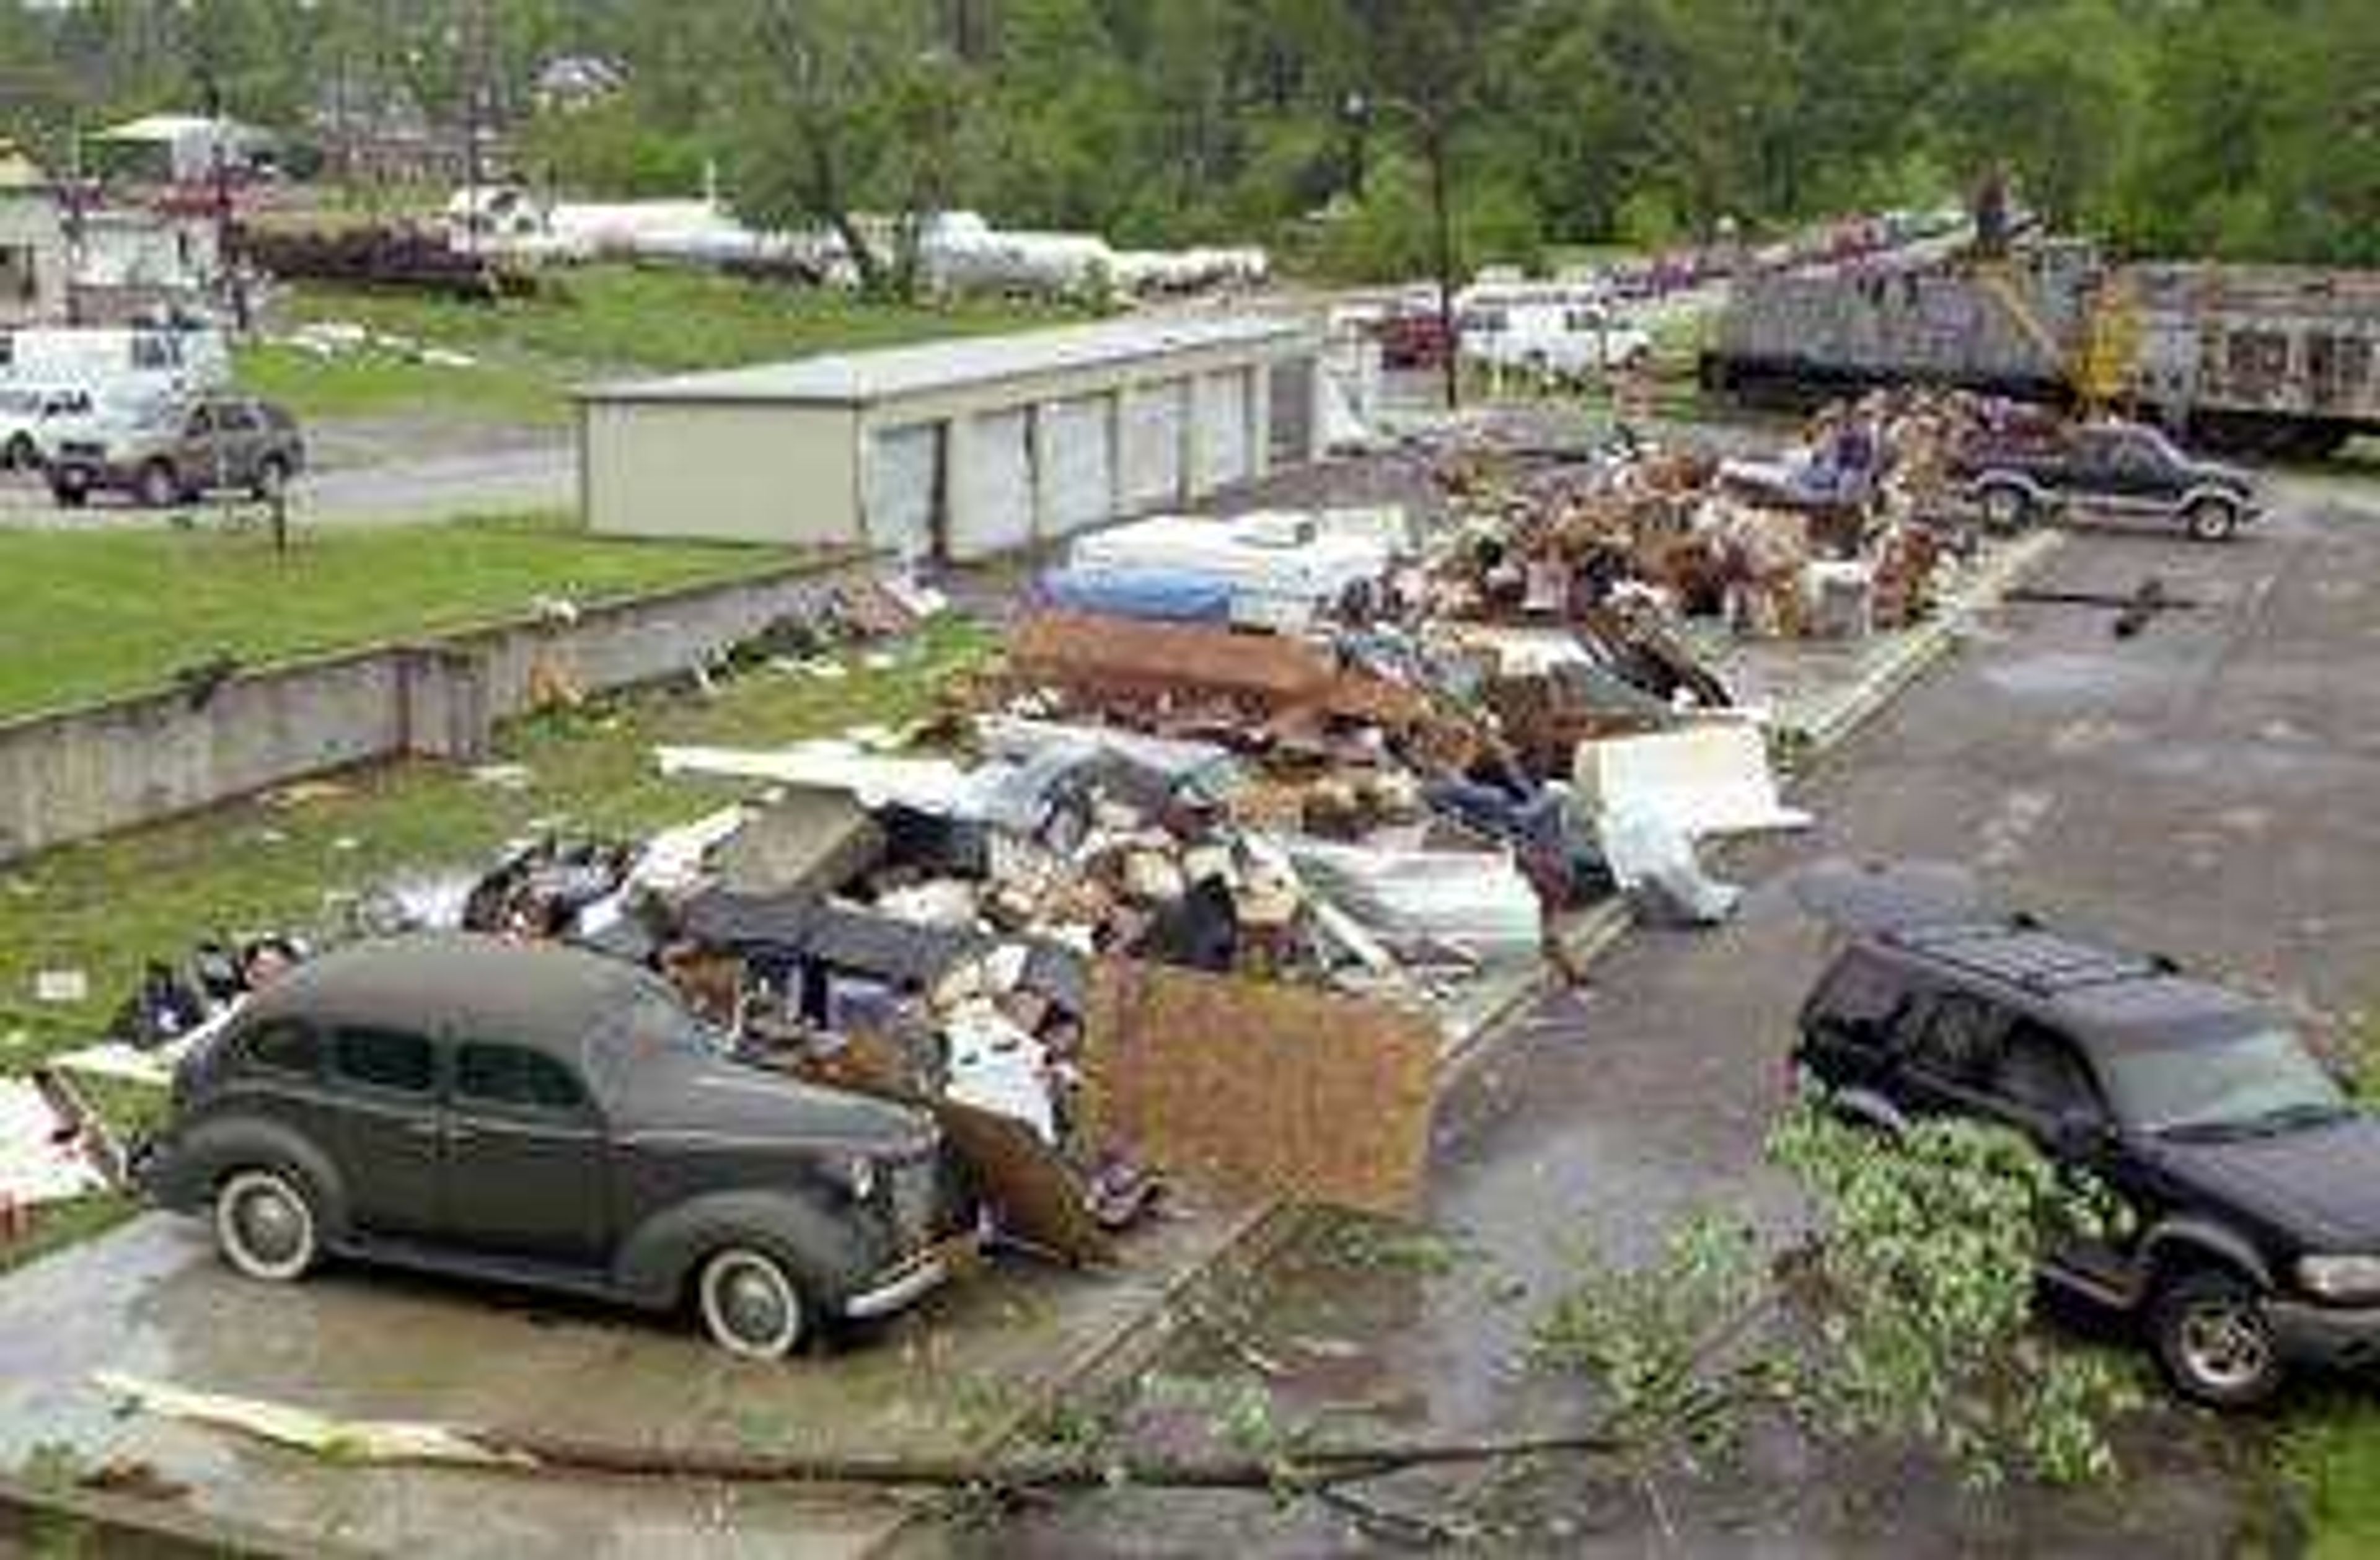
(2056, 95)
(838, 103)
(1906, 1314)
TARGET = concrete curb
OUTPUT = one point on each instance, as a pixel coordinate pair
(1840, 718)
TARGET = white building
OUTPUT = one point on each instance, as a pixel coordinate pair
(956, 450)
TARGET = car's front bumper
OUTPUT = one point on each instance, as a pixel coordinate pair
(2345, 1336)
(910, 1280)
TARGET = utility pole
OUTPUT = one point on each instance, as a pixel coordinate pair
(474, 94)
(219, 171)
(1442, 214)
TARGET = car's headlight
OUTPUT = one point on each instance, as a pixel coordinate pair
(2340, 1278)
(860, 1176)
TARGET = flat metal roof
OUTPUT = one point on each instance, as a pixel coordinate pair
(858, 378)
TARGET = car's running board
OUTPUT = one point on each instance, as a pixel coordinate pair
(455, 1261)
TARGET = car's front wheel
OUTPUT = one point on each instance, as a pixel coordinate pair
(2211, 520)
(265, 1224)
(751, 1304)
(157, 487)
(2214, 1340)
(20, 455)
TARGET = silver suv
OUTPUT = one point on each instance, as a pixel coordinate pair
(176, 452)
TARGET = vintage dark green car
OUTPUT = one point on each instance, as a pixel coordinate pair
(548, 1118)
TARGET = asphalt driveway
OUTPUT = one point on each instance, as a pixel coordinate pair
(2206, 788)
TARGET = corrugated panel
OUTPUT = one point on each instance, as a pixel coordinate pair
(996, 475)
(1291, 433)
(1153, 418)
(1222, 430)
(904, 486)
(1078, 471)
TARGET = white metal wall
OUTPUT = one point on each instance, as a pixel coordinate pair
(994, 482)
(1154, 418)
(1077, 464)
(904, 488)
(1222, 443)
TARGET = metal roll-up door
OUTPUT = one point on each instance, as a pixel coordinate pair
(1222, 431)
(1291, 433)
(997, 474)
(1153, 420)
(904, 489)
(1078, 464)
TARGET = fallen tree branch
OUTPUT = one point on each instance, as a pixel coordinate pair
(1309, 1469)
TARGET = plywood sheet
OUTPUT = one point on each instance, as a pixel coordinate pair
(1259, 1090)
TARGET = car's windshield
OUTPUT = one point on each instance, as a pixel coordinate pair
(2157, 446)
(2255, 1079)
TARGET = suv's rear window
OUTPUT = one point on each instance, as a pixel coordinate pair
(1863, 993)
(385, 1059)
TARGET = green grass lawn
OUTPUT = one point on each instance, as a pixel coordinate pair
(107, 905)
(91, 613)
(589, 324)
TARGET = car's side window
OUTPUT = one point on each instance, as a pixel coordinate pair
(385, 1059)
(286, 1047)
(511, 1077)
(1960, 1041)
(2038, 1073)
(202, 423)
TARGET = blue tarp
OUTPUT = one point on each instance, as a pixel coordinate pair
(1158, 596)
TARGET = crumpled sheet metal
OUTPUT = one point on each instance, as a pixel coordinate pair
(1475, 902)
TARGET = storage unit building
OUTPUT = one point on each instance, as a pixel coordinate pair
(955, 450)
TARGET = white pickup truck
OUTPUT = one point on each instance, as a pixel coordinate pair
(1561, 335)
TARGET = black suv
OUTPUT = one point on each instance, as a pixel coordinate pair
(2255, 1182)
(2127, 468)
(544, 1117)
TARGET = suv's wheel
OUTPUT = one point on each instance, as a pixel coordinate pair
(71, 493)
(2211, 520)
(2214, 1340)
(751, 1304)
(271, 479)
(2005, 508)
(265, 1224)
(157, 487)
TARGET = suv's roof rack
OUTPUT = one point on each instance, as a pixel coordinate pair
(2021, 953)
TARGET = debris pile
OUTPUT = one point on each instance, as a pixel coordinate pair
(1198, 889)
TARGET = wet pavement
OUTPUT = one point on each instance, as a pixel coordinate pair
(151, 1301)
(2206, 788)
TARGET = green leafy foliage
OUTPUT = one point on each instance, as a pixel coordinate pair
(1905, 1314)
(2249, 129)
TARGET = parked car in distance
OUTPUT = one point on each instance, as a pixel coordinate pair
(2253, 1182)
(2127, 467)
(545, 1116)
(177, 451)
(1414, 339)
(32, 418)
